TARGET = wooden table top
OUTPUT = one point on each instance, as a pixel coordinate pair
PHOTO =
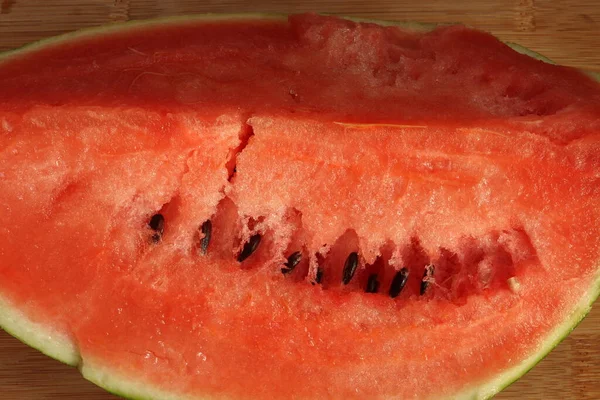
(566, 31)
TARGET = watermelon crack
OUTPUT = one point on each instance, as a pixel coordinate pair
(244, 137)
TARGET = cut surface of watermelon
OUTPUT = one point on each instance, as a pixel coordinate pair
(310, 207)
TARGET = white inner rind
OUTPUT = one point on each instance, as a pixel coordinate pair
(109, 379)
(61, 347)
(50, 342)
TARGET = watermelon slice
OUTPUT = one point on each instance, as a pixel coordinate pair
(312, 207)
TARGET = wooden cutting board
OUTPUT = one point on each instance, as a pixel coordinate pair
(565, 31)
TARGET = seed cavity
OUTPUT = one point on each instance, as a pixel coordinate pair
(372, 284)
(427, 278)
(398, 282)
(350, 267)
(157, 224)
(206, 230)
(292, 261)
(249, 247)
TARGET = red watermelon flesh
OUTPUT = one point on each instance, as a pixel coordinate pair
(444, 154)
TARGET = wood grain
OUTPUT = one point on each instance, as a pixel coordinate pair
(566, 31)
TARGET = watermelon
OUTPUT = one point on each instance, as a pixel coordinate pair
(312, 207)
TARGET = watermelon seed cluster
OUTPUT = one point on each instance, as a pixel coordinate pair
(206, 230)
(372, 284)
(318, 276)
(157, 224)
(398, 282)
(249, 247)
(291, 263)
(350, 267)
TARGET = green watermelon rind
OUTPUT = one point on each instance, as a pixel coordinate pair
(61, 347)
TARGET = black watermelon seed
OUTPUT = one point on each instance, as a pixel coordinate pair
(206, 230)
(427, 275)
(157, 224)
(398, 282)
(249, 247)
(319, 275)
(372, 284)
(292, 261)
(350, 267)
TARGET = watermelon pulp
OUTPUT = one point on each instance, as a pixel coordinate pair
(326, 137)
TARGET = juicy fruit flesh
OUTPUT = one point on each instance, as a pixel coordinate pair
(487, 187)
